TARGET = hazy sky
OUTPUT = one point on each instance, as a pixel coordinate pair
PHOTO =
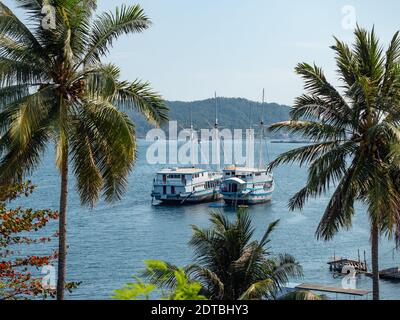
(236, 47)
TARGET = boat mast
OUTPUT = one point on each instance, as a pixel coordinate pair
(260, 165)
(216, 135)
(250, 142)
(192, 142)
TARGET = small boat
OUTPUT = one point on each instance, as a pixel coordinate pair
(186, 185)
(247, 186)
(392, 274)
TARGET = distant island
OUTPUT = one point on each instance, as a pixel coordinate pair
(233, 113)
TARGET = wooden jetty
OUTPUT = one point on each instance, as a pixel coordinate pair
(339, 264)
(329, 289)
(388, 274)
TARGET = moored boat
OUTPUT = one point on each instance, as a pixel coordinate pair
(250, 186)
(244, 185)
(186, 185)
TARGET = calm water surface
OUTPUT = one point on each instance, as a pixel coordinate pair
(108, 244)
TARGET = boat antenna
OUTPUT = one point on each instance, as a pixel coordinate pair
(216, 137)
(262, 130)
(250, 133)
(251, 115)
(191, 117)
(192, 136)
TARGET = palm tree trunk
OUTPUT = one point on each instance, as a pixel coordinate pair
(62, 240)
(375, 261)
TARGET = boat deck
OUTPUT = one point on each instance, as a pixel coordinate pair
(337, 265)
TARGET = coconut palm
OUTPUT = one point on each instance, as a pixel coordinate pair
(55, 88)
(230, 265)
(355, 138)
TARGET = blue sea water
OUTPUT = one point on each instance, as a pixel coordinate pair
(107, 245)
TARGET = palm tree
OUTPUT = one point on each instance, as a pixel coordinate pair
(54, 87)
(355, 135)
(230, 265)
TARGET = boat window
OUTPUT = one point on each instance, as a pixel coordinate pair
(234, 188)
(174, 176)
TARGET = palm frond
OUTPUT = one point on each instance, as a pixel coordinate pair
(18, 160)
(316, 108)
(20, 73)
(391, 64)
(114, 138)
(302, 296)
(315, 131)
(346, 63)
(323, 173)
(340, 209)
(303, 155)
(163, 276)
(317, 85)
(281, 268)
(138, 95)
(368, 54)
(212, 285)
(32, 111)
(109, 26)
(12, 27)
(101, 81)
(257, 290)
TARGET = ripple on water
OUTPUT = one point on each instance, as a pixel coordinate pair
(110, 243)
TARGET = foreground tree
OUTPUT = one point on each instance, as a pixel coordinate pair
(230, 265)
(54, 88)
(356, 138)
(184, 289)
(20, 229)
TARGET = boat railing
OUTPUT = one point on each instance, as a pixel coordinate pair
(178, 183)
(173, 182)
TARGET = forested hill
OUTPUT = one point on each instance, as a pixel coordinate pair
(233, 113)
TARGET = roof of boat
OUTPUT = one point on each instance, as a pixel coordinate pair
(237, 180)
(182, 170)
(244, 169)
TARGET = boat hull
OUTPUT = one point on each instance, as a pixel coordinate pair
(180, 199)
(242, 199)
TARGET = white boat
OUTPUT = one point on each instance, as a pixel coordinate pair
(242, 185)
(186, 185)
(250, 186)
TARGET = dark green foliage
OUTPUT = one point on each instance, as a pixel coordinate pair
(230, 264)
(356, 137)
(233, 113)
